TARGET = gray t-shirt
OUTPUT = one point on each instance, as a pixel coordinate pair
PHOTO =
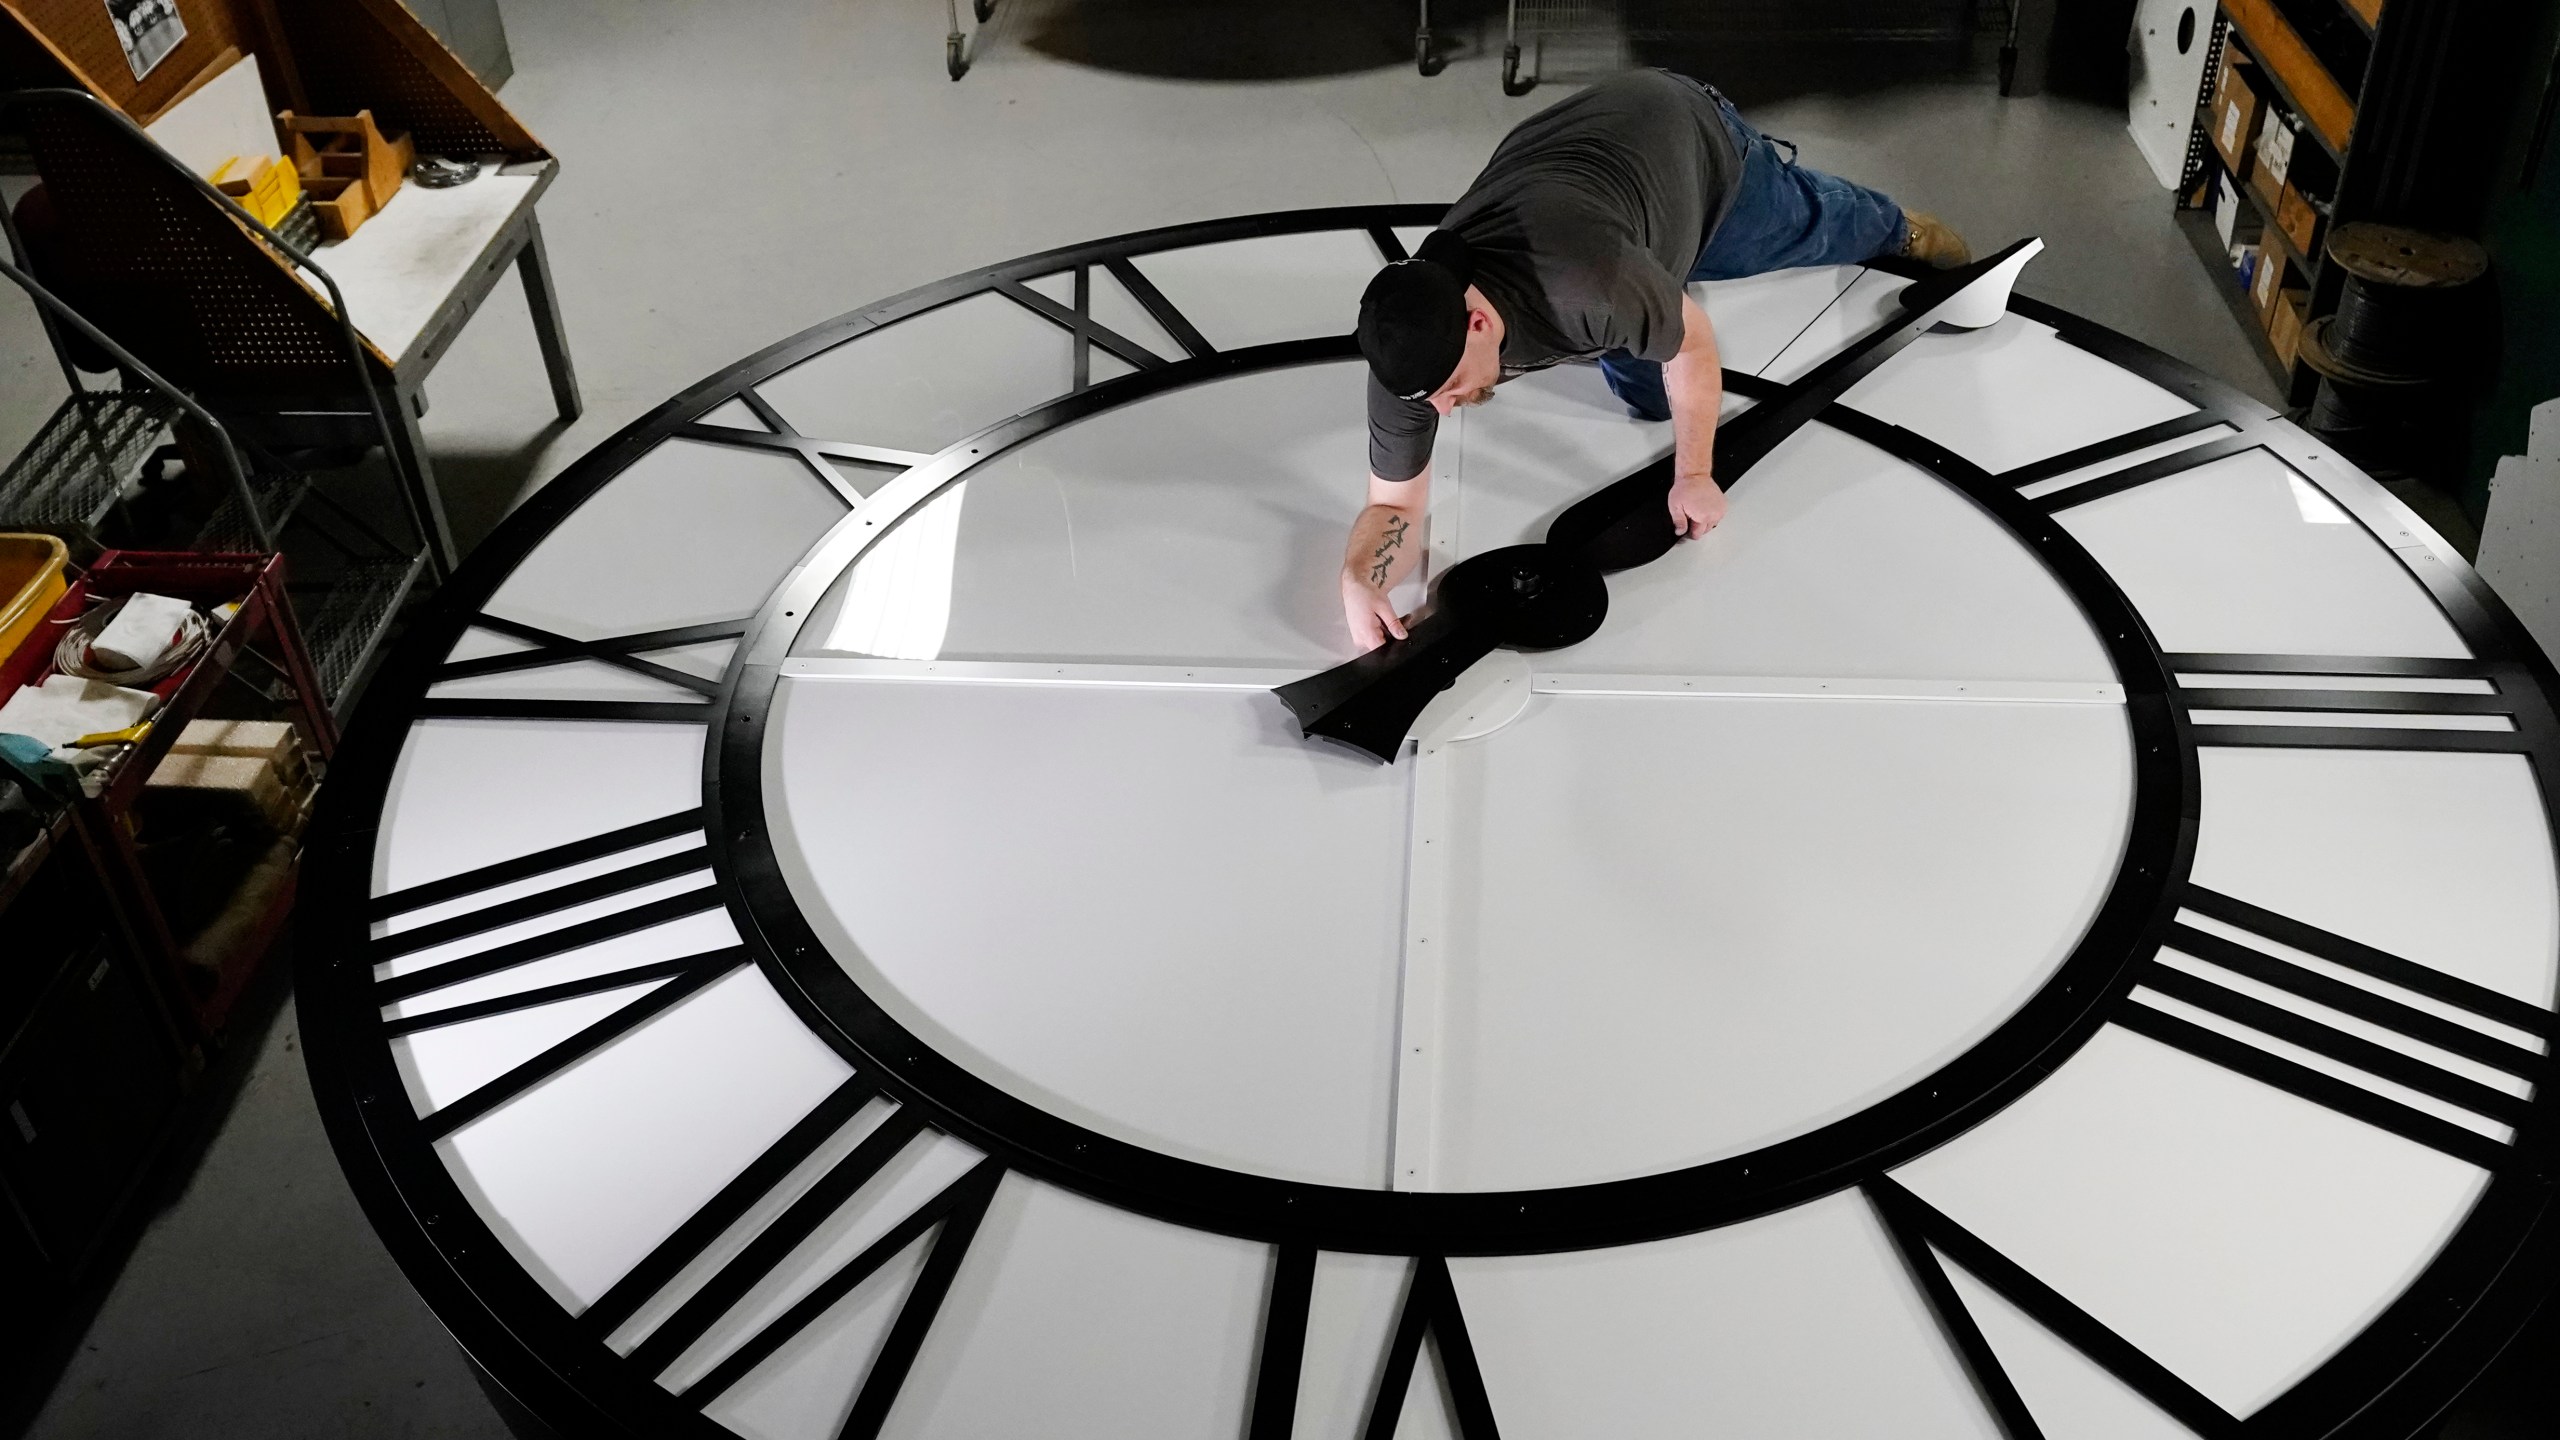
(1584, 224)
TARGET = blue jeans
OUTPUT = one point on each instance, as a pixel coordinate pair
(1783, 216)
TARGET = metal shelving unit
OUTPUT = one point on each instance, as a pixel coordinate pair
(76, 470)
(86, 462)
(2400, 123)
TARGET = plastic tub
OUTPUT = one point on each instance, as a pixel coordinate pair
(31, 580)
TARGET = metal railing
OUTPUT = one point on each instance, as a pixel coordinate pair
(411, 485)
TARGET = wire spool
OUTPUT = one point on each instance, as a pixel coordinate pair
(2374, 418)
(2398, 311)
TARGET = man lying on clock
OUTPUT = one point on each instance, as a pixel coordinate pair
(1574, 244)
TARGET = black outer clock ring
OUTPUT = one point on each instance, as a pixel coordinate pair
(2400, 1372)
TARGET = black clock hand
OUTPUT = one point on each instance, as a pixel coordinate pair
(1540, 597)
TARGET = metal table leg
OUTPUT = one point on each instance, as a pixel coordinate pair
(425, 498)
(533, 264)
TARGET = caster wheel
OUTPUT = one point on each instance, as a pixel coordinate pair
(986, 10)
(953, 57)
(1512, 84)
(1426, 60)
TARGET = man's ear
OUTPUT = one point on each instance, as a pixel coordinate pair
(1479, 320)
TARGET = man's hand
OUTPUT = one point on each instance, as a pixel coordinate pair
(1372, 615)
(1386, 540)
(1697, 506)
(1694, 382)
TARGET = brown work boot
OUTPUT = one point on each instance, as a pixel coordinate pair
(1927, 238)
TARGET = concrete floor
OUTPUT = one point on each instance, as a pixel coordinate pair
(733, 173)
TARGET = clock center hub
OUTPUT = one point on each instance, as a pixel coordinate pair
(1537, 596)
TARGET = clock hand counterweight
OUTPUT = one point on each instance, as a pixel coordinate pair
(1544, 596)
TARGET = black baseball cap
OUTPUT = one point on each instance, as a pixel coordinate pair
(1413, 318)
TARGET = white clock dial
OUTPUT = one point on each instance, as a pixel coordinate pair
(2045, 924)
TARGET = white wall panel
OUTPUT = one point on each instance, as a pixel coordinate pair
(2010, 394)
(1203, 526)
(1836, 559)
(1689, 927)
(1099, 899)
(1803, 1323)
(2243, 555)
(2441, 858)
(469, 793)
(581, 1176)
(690, 533)
(924, 382)
(1279, 287)
(1758, 316)
(1075, 1321)
(2233, 1232)
(2069, 1395)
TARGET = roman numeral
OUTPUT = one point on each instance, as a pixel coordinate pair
(1997, 1391)
(688, 711)
(1175, 323)
(813, 452)
(795, 1224)
(697, 972)
(2466, 705)
(2116, 482)
(2114, 446)
(1079, 322)
(957, 1209)
(619, 651)
(551, 899)
(1919, 1231)
(2216, 997)
(1431, 1305)
(1284, 1345)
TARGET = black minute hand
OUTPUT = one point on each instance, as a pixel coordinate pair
(1544, 596)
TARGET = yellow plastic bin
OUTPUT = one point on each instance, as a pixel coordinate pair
(31, 580)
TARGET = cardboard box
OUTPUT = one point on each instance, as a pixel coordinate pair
(2284, 323)
(2266, 285)
(2298, 220)
(2275, 146)
(274, 742)
(225, 782)
(2235, 111)
(2267, 191)
(2226, 211)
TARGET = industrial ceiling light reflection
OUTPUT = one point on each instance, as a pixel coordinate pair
(897, 602)
(2315, 508)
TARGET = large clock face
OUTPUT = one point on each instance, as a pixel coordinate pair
(2045, 923)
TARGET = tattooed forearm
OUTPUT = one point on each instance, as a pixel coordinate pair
(1382, 559)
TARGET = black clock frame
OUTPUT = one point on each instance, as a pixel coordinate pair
(2432, 1340)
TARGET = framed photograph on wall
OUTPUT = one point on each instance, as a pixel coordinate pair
(148, 29)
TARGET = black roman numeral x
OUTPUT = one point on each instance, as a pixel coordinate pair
(1919, 1231)
(1432, 1305)
(621, 651)
(813, 452)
